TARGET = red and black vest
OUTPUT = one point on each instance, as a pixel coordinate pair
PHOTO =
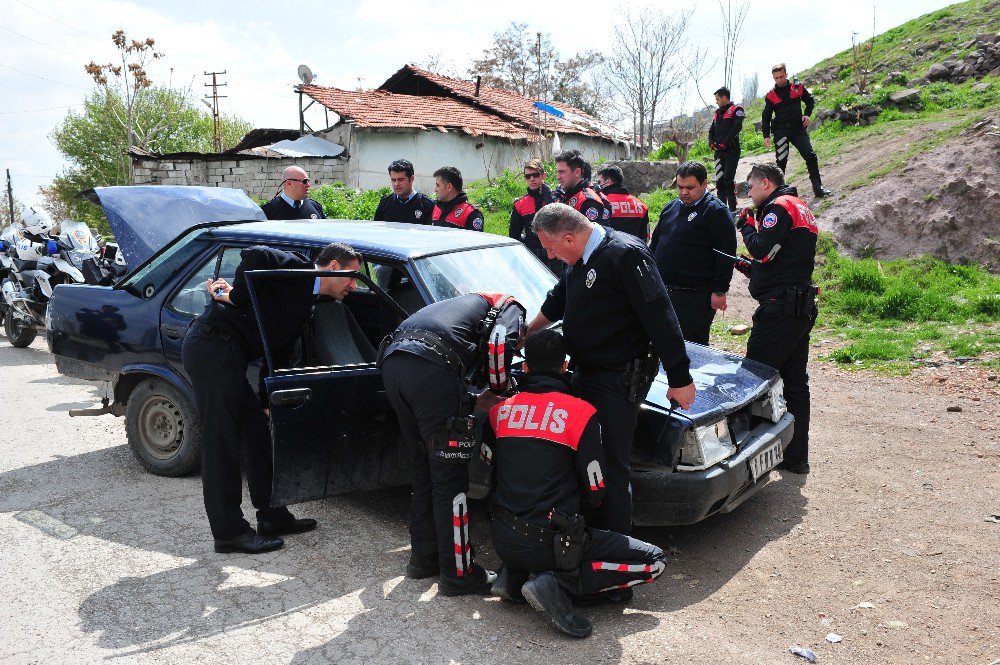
(457, 216)
(795, 92)
(798, 210)
(554, 416)
(628, 214)
(730, 112)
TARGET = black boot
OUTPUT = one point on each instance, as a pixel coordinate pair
(478, 582)
(545, 595)
(508, 584)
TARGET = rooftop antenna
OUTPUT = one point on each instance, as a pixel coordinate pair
(306, 75)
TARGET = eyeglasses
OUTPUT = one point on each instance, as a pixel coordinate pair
(304, 181)
(529, 176)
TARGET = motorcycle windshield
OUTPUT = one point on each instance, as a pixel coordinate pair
(144, 218)
(78, 236)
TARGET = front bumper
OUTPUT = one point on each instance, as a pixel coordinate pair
(661, 498)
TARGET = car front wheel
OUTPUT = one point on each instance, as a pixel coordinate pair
(163, 429)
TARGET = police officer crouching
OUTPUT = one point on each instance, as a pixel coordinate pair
(781, 237)
(216, 351)
(427, 365)
(549, 461)
(618, 322)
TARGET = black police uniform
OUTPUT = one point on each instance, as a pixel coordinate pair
(415, 210)
(457, 213)
(426, 384)
(278, 208)
(785, 105)
(683, 243)
(724, 139)
(584, 199)
(784, 244)
(520, 224)
(216, 351)
(612, 308)
(548, 456)
(628, 213)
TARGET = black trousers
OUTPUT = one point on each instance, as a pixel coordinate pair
(800, 139)
(424, 396)
(694, 312)
(610, 560)
(781, 340)
(607, 391)
(232, 423)
(725, 176)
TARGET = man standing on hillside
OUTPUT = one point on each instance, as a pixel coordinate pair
(781, 237)
(724, 139)
(453, 208)
(784, 103)
(293, 201)
(405, 204)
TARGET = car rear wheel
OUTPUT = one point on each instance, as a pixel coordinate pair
(163, 429)
(19, 332)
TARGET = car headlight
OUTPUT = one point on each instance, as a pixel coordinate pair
(705, 446)
(772, 406)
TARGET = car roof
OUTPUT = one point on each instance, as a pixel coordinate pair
(388, 239)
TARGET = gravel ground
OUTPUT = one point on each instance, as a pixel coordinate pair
(887, 544)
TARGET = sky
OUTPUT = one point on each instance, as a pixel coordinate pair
(45, 45)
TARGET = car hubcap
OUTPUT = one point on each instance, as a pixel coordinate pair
(161, 427)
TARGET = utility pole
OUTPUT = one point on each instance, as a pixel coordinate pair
(10, 197)
(215, 85)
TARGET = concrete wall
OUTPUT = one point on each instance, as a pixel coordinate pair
(257, 177)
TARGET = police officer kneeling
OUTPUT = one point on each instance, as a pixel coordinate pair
(427, 366)
(549, 460)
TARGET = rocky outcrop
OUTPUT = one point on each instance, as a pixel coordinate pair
(642, 177)
(983, 59)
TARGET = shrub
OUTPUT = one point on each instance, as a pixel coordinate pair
(863, 276)
(656, 200)
(666, 151)
(342, 202)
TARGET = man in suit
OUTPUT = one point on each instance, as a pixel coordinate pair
(293, 201)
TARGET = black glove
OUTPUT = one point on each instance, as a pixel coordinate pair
(743, 264)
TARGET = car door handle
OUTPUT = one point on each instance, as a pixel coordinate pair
(173, 332)
(293, 397)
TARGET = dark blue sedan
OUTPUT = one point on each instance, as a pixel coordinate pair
(332, 428)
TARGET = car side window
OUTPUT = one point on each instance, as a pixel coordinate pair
(192, 297)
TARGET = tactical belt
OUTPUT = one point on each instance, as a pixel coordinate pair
(523, 527)
(431, 341)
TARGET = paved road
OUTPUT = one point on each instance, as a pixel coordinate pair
(102, 561)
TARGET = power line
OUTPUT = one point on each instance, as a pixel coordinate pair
(49, 108)
(40, 43)
(20, 71)
(53, 18)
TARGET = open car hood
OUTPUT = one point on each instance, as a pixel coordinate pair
(144, 218)
(724, 382)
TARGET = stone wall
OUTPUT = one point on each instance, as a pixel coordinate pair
(258, 177)
(642, 177)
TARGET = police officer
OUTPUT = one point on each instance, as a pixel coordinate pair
(576, 190)
(216, 352)
(691, 228)
(628, 214)
(724, 139)
(427, 365)
(613, 306)
(293, 201)
(453, 208)
(781, 237)
(784, 102)
(539, 195)
(549, 461)
(405, 204)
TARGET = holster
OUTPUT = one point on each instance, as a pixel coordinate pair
(639, 374)
(571, 541)
(455, 441)
(800, 301)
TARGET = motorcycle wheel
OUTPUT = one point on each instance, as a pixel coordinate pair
(163, 429)
(19, 333)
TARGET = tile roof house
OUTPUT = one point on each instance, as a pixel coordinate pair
(435, 121)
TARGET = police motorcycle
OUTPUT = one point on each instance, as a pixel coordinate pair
(36, 263)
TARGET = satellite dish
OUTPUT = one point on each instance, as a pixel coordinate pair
(305, 74)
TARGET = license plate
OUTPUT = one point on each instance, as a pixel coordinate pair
(766, 460)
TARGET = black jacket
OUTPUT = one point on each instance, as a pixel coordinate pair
(683, 243)
(467, 217)
(785, 255)
(285, 303)
(584, 199)
(417, 210)
(455, 321)
(548, 452)
(614, 306)
(278, 208)
(786, 109)
(523, 212)
(727, 124)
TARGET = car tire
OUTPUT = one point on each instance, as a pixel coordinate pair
(163, 429)
(19, 334)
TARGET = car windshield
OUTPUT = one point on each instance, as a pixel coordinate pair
(503, 269)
